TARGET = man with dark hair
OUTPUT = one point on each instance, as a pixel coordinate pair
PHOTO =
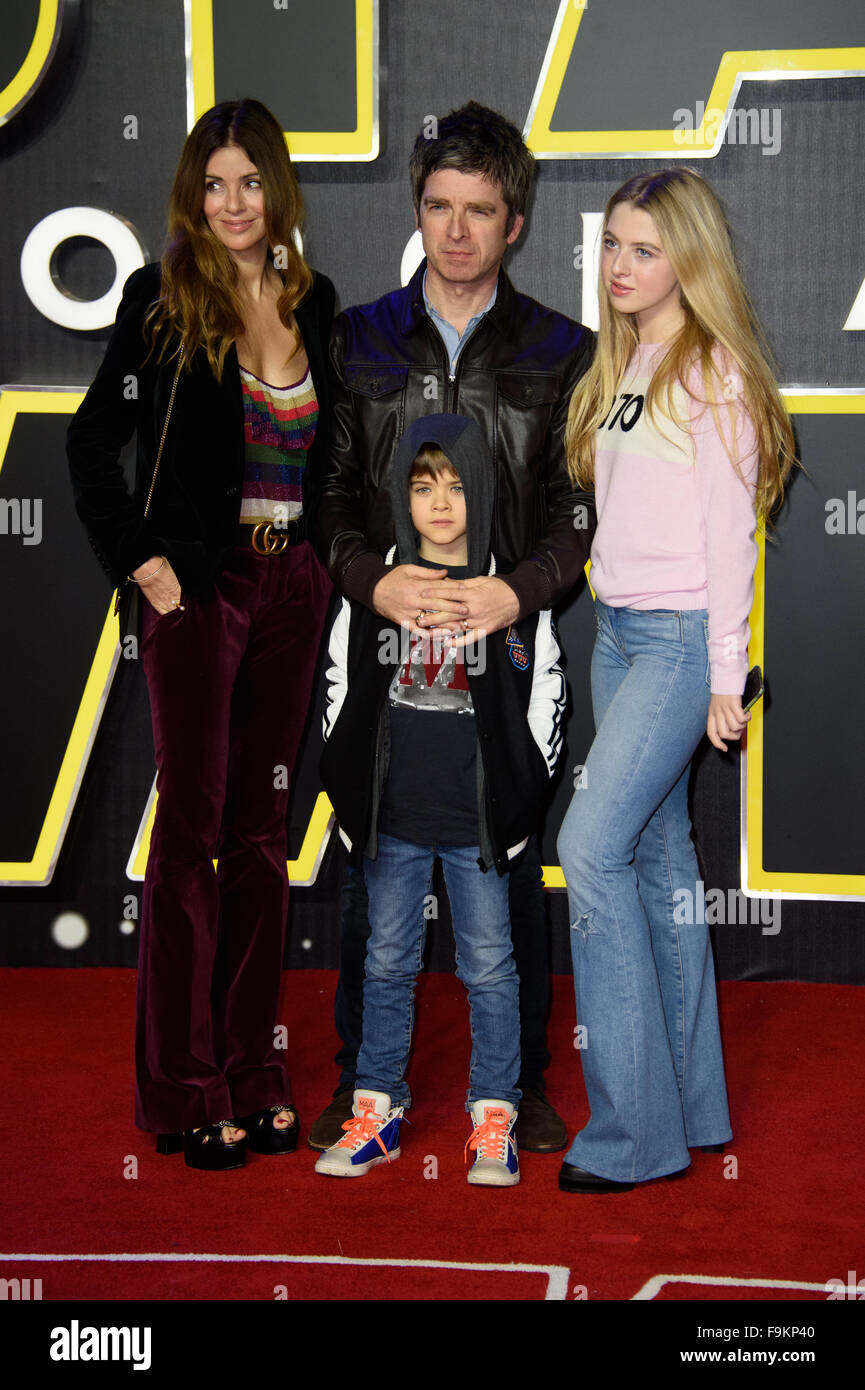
(459, 338)
(476, 140)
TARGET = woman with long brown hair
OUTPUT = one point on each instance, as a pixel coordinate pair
(218, 363)
(680, 429)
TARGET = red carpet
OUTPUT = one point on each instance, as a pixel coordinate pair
(777, 1217)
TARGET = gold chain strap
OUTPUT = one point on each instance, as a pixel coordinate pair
(164, 433)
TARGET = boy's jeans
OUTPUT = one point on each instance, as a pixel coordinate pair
(528, 937)
(398, 884)
(642, 964)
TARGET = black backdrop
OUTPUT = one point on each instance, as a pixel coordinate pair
(798, 217)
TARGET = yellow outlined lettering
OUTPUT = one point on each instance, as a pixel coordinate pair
(302, 871)
(46, 36)
(40, 868)
(707, 138)
(755, 879)
(359, 144)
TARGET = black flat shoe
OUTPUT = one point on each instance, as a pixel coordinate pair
(262, 1135)
(712, 1148)
(206, 1149)
(574, 1179)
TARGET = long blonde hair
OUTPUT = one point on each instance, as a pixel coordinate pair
(718, 313)
(199, 302)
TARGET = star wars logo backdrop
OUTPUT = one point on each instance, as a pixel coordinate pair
(768, 103)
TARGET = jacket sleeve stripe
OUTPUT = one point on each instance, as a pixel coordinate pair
(547, 703)
(337, 672)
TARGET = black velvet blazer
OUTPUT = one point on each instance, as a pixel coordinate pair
(195, 508)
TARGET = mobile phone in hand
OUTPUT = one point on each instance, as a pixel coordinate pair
(753, 688)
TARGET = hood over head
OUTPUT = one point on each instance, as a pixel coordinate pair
(463, 443)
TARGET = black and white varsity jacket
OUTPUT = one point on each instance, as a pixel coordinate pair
(518, 693)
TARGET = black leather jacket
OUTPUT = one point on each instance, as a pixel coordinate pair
(514, 376)
(196, 501)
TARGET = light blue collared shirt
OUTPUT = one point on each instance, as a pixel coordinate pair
(454, 341)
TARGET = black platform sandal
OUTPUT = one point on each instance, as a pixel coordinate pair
(205, 1148)
(263, 1138)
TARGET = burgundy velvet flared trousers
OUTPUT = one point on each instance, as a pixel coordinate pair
(229, 681)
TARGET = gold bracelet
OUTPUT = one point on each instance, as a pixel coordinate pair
(149, 576)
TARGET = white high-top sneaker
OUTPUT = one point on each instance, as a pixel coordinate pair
(496, 1163)
(371, 1137)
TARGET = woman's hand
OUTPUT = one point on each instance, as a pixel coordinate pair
(158, 583)
(726, 719)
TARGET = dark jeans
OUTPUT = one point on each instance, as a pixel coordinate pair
(229, 681)
(529, 936)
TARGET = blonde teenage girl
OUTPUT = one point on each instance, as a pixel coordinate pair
(680, 429)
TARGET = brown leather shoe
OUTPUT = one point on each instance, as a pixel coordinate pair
(328, 1127)
(539, 1129)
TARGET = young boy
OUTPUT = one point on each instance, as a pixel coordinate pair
(438, 750)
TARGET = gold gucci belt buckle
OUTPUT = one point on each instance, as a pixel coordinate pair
(267, 541)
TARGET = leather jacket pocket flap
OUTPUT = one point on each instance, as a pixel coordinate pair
(529, 389)
(375, 381)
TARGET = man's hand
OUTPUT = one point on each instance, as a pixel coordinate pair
(726, 719)
(472, 607)
(399, 595)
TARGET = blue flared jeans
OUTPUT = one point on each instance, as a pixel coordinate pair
(650, 1042)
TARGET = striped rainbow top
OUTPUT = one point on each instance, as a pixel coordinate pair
(279, 427)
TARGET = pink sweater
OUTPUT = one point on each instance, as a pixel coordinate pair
(676, 523)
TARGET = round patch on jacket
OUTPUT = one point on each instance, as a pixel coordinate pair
(518, 654)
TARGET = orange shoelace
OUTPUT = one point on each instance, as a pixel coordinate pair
(361, 1128)
(488, 1137)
